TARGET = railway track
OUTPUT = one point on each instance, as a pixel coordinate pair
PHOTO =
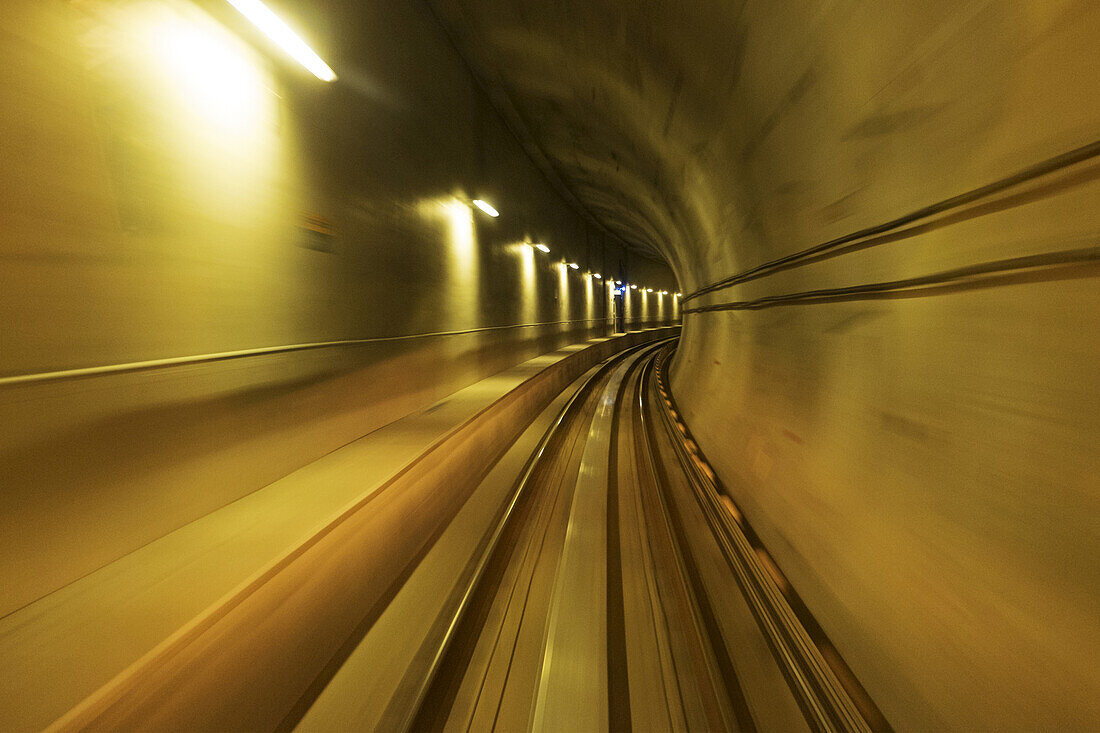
(621, 590)
(592, 575)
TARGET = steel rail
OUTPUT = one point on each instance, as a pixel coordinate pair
(521, 489)
(722, 669)
(831, 699)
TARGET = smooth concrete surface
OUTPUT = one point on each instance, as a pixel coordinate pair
(172, 189)
(923, 465)
(97, 467)
(382, 680)
(921, 460)
(246, 659)
(52, 661)
(144, 596)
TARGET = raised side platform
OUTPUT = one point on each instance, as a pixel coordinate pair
(65, 646)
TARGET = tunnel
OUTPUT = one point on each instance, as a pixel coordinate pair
(550, 365)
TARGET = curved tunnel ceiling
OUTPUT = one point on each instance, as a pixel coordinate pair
(722, 135)
(621, 98)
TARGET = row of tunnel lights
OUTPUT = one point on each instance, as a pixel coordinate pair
(277, 30)
(489, 209)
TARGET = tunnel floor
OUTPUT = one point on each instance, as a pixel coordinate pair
(585, 611)
(592, 577)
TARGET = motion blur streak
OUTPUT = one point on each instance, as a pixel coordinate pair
(209, 73)
(563, 294)
(589, 303)
(462, 278)
(277, 355)
(288, 40)
(529, 283)
(486, 207)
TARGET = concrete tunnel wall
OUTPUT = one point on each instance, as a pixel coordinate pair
(925, 467)
(171, 188)
(922, 464)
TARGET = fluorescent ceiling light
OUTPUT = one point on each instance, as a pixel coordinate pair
(649, 290)
(542, 248)
(597, 275)
(633, 287)
(486, 207)
(278, 31)
(574, 266)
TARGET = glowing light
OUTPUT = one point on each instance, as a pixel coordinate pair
(210, 74)
(275, 29)
(528, 283)
(618, 282)
(461, 281)
(678, 295)
(633, 287)
(597, 275)
(542, 248)
(649, 290)
(589, 300)
(216, 120)
(563, 295)
(486, 207)
(574, 266)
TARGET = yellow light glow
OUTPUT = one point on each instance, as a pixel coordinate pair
(528, 283)
(209, 73)
(209, 114)
(462, 281)
(542, 248)
(563, 294)
(486, 207)
(279, 32)
(589, 301)
(463, 240)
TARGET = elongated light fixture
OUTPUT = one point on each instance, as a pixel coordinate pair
(486, 207)
(597, 275)
(574, 266)
(542, 248)
(278, 31)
